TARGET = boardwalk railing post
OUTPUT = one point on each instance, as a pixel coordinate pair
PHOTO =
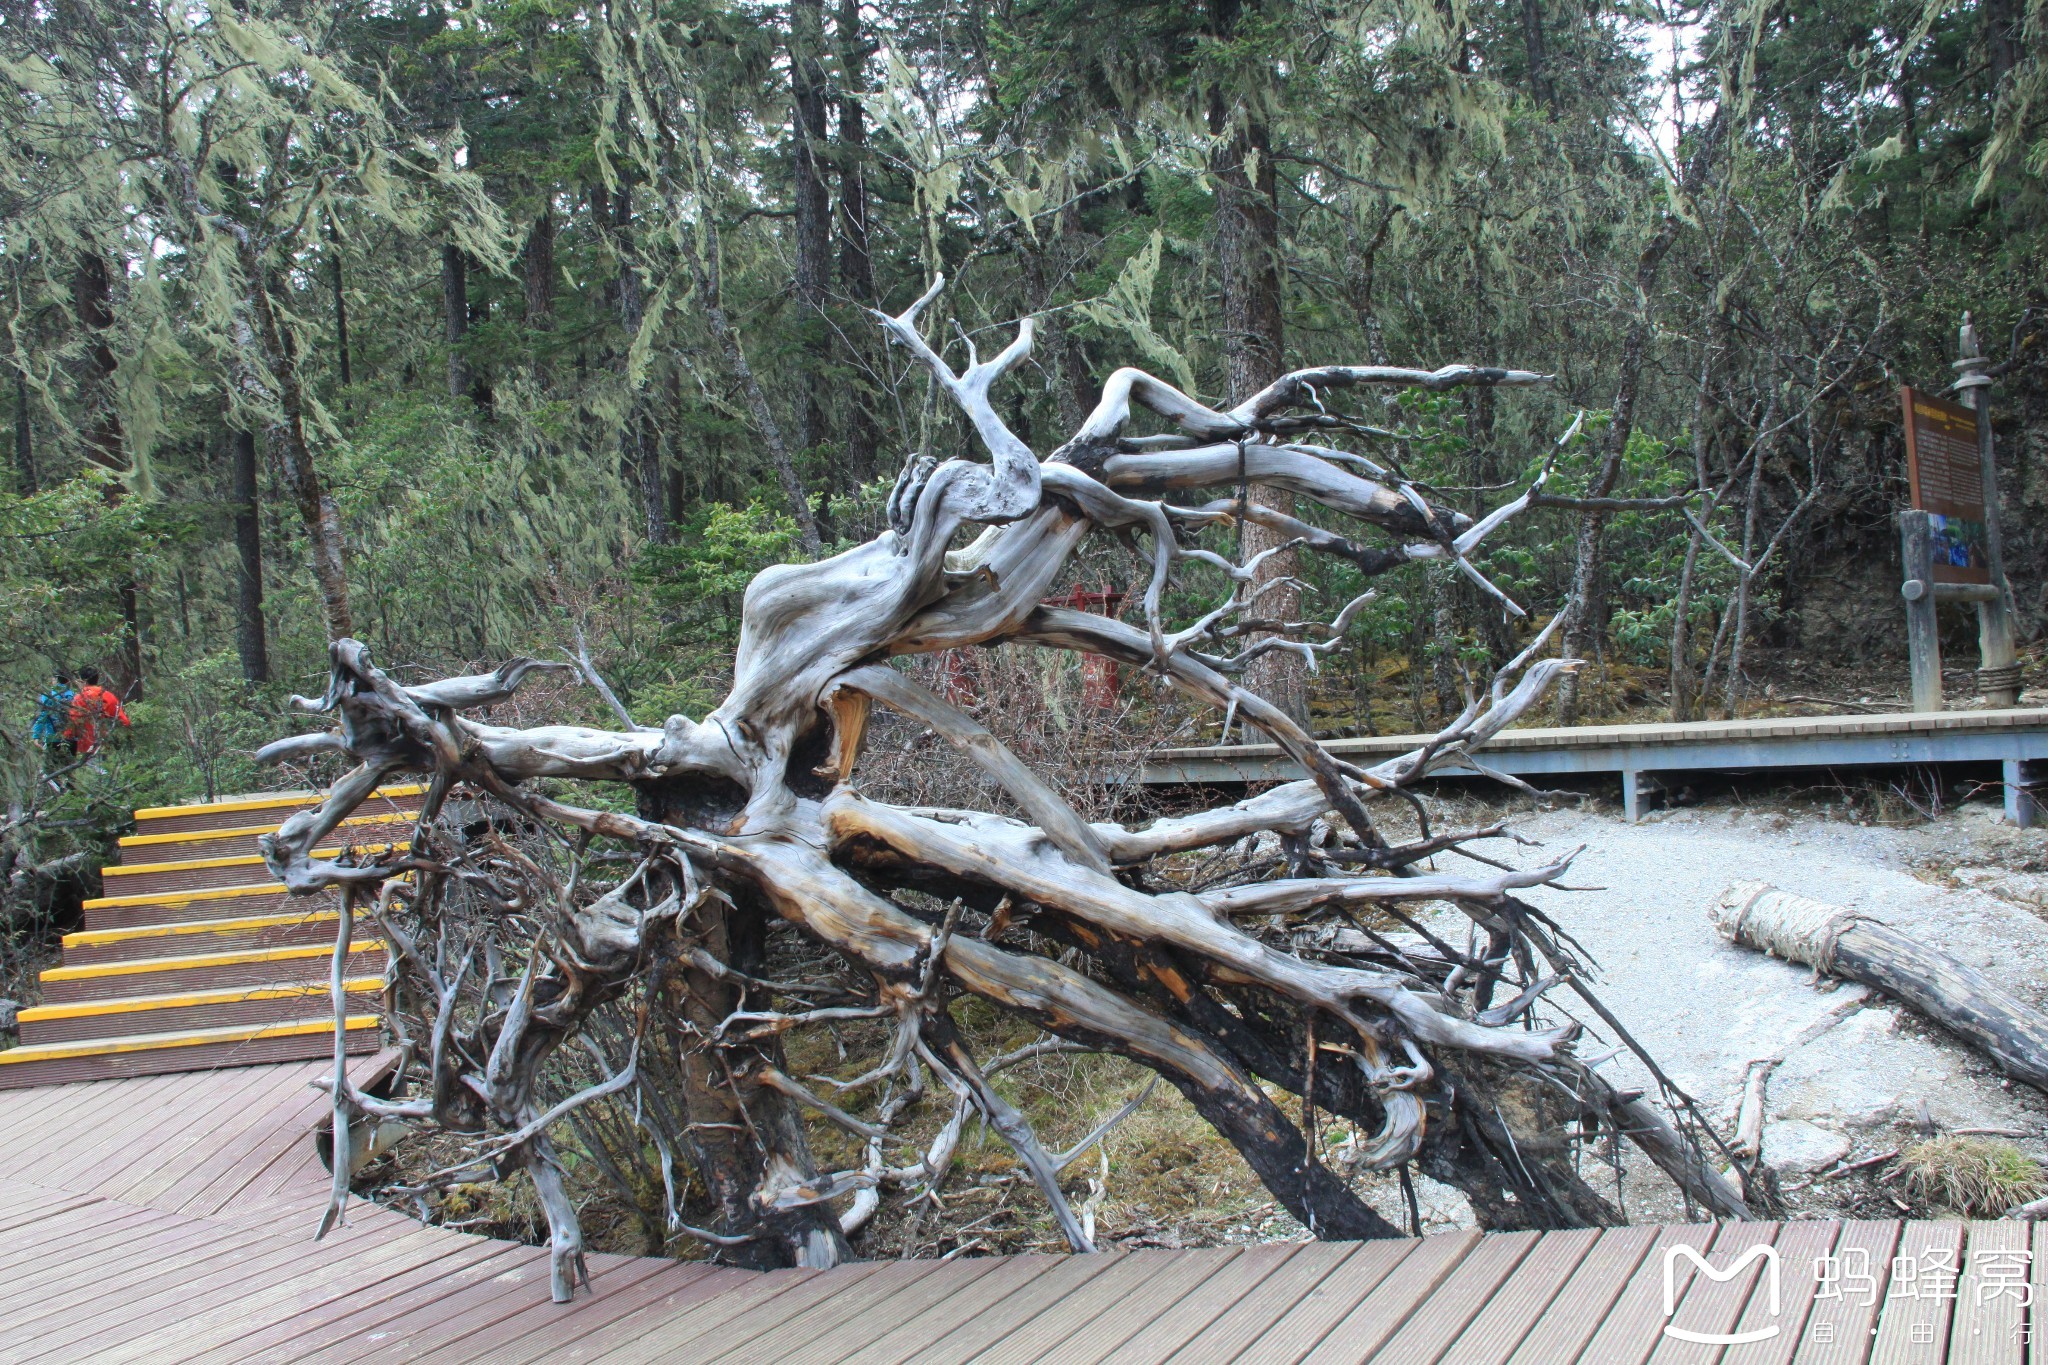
(1998, 672)
(2022, 777)
(1923, 641)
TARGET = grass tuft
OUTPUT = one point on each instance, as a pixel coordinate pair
(1972, 1176)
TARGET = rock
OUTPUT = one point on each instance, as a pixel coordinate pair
(10, 1015)
(1796, 1147)
(2022, 888)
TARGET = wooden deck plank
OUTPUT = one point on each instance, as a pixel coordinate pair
(124, 1129)
(34, 1116)
(1591, 1291)
(2037, 1312)
(173, 1138)
(821, 1293)
(736, 1316)
(1438, 1321)
(1160, 1328)
(966, 1340)
(1087, 1340)
(1705, 1306)
(858, 1315)
(47, 1204)
(208, 1191)
(1990, 1318)
(272, 1151)
(655, 1300)
(1357, 1277)
(1380, 1314)
(44, 1139)
(1126, 1276)
(299, 1333)
(667, 1285)
(246, 1109)
(224, 1270)
(1800, 1248)
(1840, 1325)
(1630, 1330)
(1272, 1299)
(108, 1259)
(1014, 1279)
(509, 1318)
(287, 1286)
(54, 1246)
(521, 1275)
(62, 1225)
(219, 1314)
(1913, 1323)
(1492, 1336)
(654, 1335)
(295, 1170)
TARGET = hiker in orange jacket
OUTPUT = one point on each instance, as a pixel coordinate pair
(93, 707)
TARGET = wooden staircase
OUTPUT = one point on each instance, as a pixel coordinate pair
(195, 958)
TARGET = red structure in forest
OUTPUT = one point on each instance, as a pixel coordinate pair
(1101, 683)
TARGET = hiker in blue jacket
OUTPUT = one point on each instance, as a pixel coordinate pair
(53, 718)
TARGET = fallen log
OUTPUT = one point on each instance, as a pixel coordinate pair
(1840, 942)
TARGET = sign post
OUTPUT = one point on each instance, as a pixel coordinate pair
(1998, 671)
(1950, 538)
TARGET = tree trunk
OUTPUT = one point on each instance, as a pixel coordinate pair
(813, 204)
(640, 448)
(856, 264)
(455, 316)
(706, 268)
(1539, 59)
(1248, 263)
(249, 628)
(317, 508)
(537, 270)
(92, 299)
(24, 440)
(738, 1127)
(340, 310)
(1837, 941)
(653, 480)
(1583, 610)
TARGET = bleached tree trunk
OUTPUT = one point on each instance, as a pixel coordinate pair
(757, 810)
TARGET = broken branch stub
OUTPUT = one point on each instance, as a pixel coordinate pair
(517, 934)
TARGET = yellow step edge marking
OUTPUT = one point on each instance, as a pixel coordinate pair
(225, 995)
(235, 860)
(150, 1042)
(174, 898)
(211, 893)
(86, 938)
(197, 961)
(242, 831)
(267, 803)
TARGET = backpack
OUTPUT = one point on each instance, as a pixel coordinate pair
(53, 715)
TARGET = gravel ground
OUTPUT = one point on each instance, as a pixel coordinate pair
(1878, 1076)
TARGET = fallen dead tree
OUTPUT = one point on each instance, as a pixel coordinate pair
(558, 957)
(1838, 941)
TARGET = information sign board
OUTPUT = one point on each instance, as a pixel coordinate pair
(1946, 474)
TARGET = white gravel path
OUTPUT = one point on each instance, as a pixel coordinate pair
(1706, 1009)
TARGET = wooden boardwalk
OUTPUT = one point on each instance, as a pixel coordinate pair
(169, 1218)
(2016, 741)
